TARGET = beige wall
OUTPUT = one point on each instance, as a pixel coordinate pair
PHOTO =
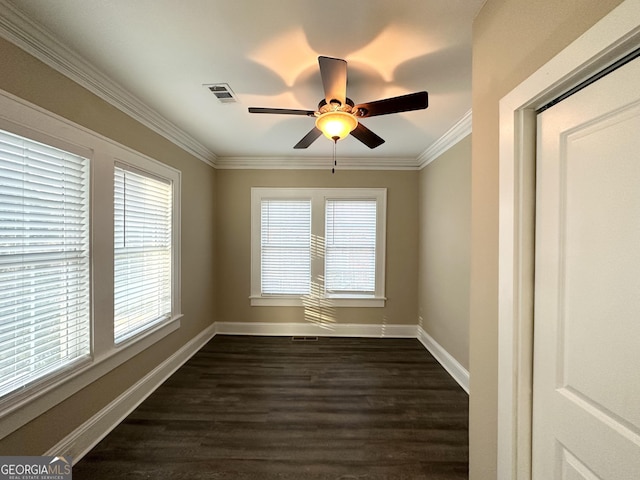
(26, 77)
(234, 244)
(511, 39)
(444, 249)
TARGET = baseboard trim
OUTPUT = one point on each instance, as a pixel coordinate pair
(316, 329)
(450, 364)
(78, 443)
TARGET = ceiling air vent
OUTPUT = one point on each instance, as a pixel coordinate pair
(223, 92)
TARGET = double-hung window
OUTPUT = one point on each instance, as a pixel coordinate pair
(312, 244)
(89, 257)
(285, 246)
(350, 247)
(142, 251)
(44, 261)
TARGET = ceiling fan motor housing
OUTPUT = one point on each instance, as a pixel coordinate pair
(335, 105)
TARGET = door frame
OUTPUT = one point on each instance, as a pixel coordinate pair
(608, 40)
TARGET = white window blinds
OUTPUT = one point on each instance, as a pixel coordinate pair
(350, 249)
(44, 261)
(142, 271)
(285, 247)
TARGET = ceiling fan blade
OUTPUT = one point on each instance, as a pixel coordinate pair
(366, 136)
(403, 103)
(308, 139)
(282, 111)
(334, 78)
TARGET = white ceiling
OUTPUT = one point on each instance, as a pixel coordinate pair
(164, 51)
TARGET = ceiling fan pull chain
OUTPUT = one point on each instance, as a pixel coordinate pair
(335, 162)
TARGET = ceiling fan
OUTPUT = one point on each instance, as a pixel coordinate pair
(337, 116)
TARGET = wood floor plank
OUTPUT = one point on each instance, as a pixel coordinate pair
(272, 408)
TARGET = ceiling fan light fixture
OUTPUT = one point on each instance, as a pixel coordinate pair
(337, 115)
(336, 124)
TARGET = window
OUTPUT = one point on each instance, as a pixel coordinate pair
(142, 246)
(60, 254)
(350, 247)
(44, 261)
(285, 247)
(318, 244)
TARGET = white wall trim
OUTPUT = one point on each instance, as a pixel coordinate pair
(611, 37)
(460, 129)
(315, 163)
(78, 443)
(450, 364)
(35, 40)
(316, 329)
(22, 118)
(457, 132)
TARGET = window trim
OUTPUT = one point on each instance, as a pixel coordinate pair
(164, 173)
(81, 255)
(318, 197)
(26, 119)
(297, 280)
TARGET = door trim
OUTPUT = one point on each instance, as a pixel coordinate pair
(611, 38)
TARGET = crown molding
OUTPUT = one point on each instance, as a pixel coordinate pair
(457, 132)
(315, 163)
(35, 40)
(460, 129)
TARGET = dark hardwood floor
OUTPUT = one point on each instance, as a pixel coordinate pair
(272, 408)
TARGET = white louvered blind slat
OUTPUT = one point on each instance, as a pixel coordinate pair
(285, 247)
(142, 237)
(350, 247)
(44, 261)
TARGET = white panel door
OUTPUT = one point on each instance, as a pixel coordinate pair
(586, 398)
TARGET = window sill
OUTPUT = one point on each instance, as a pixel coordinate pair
(155, 333)
(18, 409)
(317, 302)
